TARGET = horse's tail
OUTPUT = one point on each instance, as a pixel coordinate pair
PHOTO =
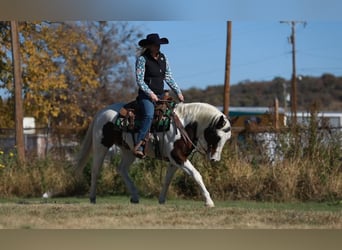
(84, 153)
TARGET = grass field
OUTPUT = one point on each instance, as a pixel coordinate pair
(118, 213)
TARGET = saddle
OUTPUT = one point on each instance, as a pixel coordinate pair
(129, 119)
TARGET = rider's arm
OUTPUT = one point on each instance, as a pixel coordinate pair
(140, 73)
(169, 79)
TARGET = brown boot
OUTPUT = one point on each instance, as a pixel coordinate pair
(138, 150)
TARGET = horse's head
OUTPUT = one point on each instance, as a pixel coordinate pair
(215, 136)
(208, 130)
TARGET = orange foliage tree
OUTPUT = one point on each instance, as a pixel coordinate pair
(70, 69)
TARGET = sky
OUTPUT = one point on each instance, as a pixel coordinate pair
(260, 50)
(197, 31)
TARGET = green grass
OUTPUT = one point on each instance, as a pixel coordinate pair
(117, 212)
(300, 206)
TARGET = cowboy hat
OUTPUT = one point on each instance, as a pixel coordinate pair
(153, 39)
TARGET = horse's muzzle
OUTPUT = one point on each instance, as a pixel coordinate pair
(215, 157)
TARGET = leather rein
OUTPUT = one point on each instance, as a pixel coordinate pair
(185, 135)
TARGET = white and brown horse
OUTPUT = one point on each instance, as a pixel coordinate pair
(207, 130)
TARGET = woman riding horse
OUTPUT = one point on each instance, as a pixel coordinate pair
(152, 69)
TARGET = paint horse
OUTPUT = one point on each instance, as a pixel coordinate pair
(202, 127)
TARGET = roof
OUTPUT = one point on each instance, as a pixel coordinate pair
(243, 111)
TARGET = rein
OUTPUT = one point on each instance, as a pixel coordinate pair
(185, 135)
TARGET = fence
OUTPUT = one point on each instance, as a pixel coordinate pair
(41, 143)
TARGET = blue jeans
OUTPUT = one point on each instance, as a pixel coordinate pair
(146, 111)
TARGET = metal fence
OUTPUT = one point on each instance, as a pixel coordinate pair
(40, 142)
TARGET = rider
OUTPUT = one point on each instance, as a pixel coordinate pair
(152, 69)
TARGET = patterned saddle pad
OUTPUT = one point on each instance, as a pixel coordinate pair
(129, 119)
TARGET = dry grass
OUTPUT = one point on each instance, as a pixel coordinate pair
(36, 177)
(307, 172)
(231, 179)
(117, 213)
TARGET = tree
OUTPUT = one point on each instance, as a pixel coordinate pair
(115, 49)
(57, 72)
(6, 77)
(71, 69)
(6, 74)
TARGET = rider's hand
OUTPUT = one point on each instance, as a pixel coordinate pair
(181, 97)
(154, 97)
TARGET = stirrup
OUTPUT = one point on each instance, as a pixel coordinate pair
(139, 154)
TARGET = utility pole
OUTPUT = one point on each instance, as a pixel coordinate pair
(19, 131)
(227, 71)
(294, 75)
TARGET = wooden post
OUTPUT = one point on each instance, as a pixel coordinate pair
(227, 71)
(294, 76)
(276, 113)
(19, 131)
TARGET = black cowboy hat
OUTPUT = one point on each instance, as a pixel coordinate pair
(153, 39)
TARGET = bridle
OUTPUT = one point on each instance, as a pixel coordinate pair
(200, 149)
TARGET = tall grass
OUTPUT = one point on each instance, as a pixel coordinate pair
(308, 168)
(35, 177)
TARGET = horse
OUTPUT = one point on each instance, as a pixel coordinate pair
(201, 126)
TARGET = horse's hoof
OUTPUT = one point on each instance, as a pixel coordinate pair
(210, 205)
(93, 200)
(134, 201)
(161, 202)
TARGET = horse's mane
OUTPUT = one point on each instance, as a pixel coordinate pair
(203, 113)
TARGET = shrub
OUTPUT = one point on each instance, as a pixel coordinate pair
(308, 167)
(35, 177)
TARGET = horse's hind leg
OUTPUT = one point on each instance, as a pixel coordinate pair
(127, 158)
(98, 157)
(171, 169)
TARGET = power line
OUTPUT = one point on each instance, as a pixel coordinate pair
(321, 68)
(261, 60)
(320, 56)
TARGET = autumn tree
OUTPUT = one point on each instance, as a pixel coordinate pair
(71, 69)
(116, 46)
(6, 107)
(6, 75)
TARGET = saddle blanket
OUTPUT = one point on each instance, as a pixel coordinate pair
(129, 119)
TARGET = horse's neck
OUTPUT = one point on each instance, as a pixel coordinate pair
(194, 112)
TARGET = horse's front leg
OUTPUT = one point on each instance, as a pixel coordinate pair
(127, 158)
(171, 169)
(192, 171)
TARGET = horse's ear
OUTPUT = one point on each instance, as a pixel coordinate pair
(220, 124)
(233, 120)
